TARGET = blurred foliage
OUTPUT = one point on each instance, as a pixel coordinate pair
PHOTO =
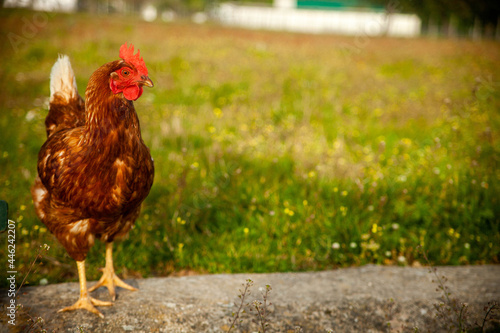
(273, 151)
(462, 15)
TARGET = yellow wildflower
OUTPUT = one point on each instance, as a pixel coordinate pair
(218, 112)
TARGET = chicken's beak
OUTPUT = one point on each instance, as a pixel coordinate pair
(146, 81)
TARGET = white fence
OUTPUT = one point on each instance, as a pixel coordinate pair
(43, 5)
(319, 21)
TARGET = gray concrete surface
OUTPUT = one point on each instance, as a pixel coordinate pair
(361, 299)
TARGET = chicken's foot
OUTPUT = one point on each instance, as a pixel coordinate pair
(109, 279)
(85, 301)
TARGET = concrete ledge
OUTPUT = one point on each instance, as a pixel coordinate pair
(345, 300)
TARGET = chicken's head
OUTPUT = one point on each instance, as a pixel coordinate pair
(131, 75)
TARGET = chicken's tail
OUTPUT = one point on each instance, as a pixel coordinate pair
(62, 80)
(67, 108)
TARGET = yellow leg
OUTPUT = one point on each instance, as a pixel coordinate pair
(85, 301)
(109, 278)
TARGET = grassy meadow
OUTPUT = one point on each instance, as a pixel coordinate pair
(273, 151)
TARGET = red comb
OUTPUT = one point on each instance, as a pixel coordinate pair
(127, 54)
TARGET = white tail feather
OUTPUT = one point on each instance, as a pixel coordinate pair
(62, 79)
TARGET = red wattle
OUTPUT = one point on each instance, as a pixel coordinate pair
(132, 92)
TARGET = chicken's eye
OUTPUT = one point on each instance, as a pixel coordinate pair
(125, 72)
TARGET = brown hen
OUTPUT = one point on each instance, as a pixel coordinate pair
(94, 170)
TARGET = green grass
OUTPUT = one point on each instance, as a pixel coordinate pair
(274, 151)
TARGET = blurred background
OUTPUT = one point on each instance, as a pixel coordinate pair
(374, 17)
(287, 135)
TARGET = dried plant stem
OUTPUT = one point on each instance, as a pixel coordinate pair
(453, 306)
(242, 295)
(262, 309)
(491, 306)
(43, 248)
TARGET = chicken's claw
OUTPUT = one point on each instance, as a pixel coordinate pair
(110, 280)
(88, 303)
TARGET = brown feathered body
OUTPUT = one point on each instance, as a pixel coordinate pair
(94, 170)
